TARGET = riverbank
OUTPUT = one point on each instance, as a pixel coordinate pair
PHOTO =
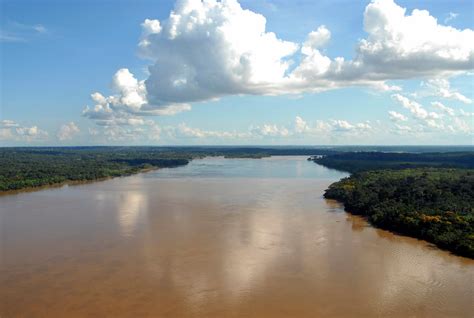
(432, 204)
(72, 183)
(26, 169)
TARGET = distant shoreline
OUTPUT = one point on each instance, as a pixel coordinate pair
(74, 182)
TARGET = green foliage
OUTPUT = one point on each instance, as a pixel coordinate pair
(434, 204)
(363, 161)
(34, 167)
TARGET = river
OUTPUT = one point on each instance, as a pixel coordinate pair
(216, 238)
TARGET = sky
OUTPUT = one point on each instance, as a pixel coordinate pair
(248, 72)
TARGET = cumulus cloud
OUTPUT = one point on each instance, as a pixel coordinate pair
(402, 129)
(129, 103)
(185, 131)
(269, 131)
(327, 127)
(10, 130)
(343, 125)
(401, 45)
(397, 117)
(445, 109)
(415, 108)
(442, 88)
(317, 38)
(427, 122)
(209, 49)
(121, 133)
(67, 131)
(301, 126)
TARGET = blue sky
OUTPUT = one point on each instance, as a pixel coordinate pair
(398, 84)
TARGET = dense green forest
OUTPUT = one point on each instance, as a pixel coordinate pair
(363, 161)
(34, 167)
(428, 200)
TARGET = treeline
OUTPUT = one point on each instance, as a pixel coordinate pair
(30, 167)
(34, 167)
(428, 200)
(363, 161)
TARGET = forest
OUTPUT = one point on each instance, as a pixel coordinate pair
(34, 167)
(30, 167)
(430, 197)
(372, 160)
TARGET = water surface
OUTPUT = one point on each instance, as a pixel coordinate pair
(217, 238)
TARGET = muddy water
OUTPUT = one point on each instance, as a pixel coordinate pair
(217, 238)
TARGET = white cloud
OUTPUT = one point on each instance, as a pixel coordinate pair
(415, 108)
(431, 122)
(40, 28)
(209, 49)
(334, 126)
(466, 113)
(31, 133)
(6, 123)
(300, 125)
(445, 109)
(185, 131)
(236, 54)
(150, 26)
(270, 130)
(10, 130)
(403, 128)
(317, 39)
(345, 126)
(413, 45)
(300, 128)
(128, 103)
(442, 88)
(67, 131)
(396, 117)
(451, 16)
(129, 133)
(18, 32)
(427, 119)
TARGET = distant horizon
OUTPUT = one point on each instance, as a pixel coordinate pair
(240, 146)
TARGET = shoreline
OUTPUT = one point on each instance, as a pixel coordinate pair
(392, 229)
(73, 182)
(397, 233)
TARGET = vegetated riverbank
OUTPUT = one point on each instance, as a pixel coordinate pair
(27, 169)
(34, 168)
(75, 182)
(431, 203)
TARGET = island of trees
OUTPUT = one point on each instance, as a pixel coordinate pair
(428, 196)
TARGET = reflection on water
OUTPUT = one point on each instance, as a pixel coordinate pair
(218, 238)
(131, 207)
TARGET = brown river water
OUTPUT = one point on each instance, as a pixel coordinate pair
(217, 238)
